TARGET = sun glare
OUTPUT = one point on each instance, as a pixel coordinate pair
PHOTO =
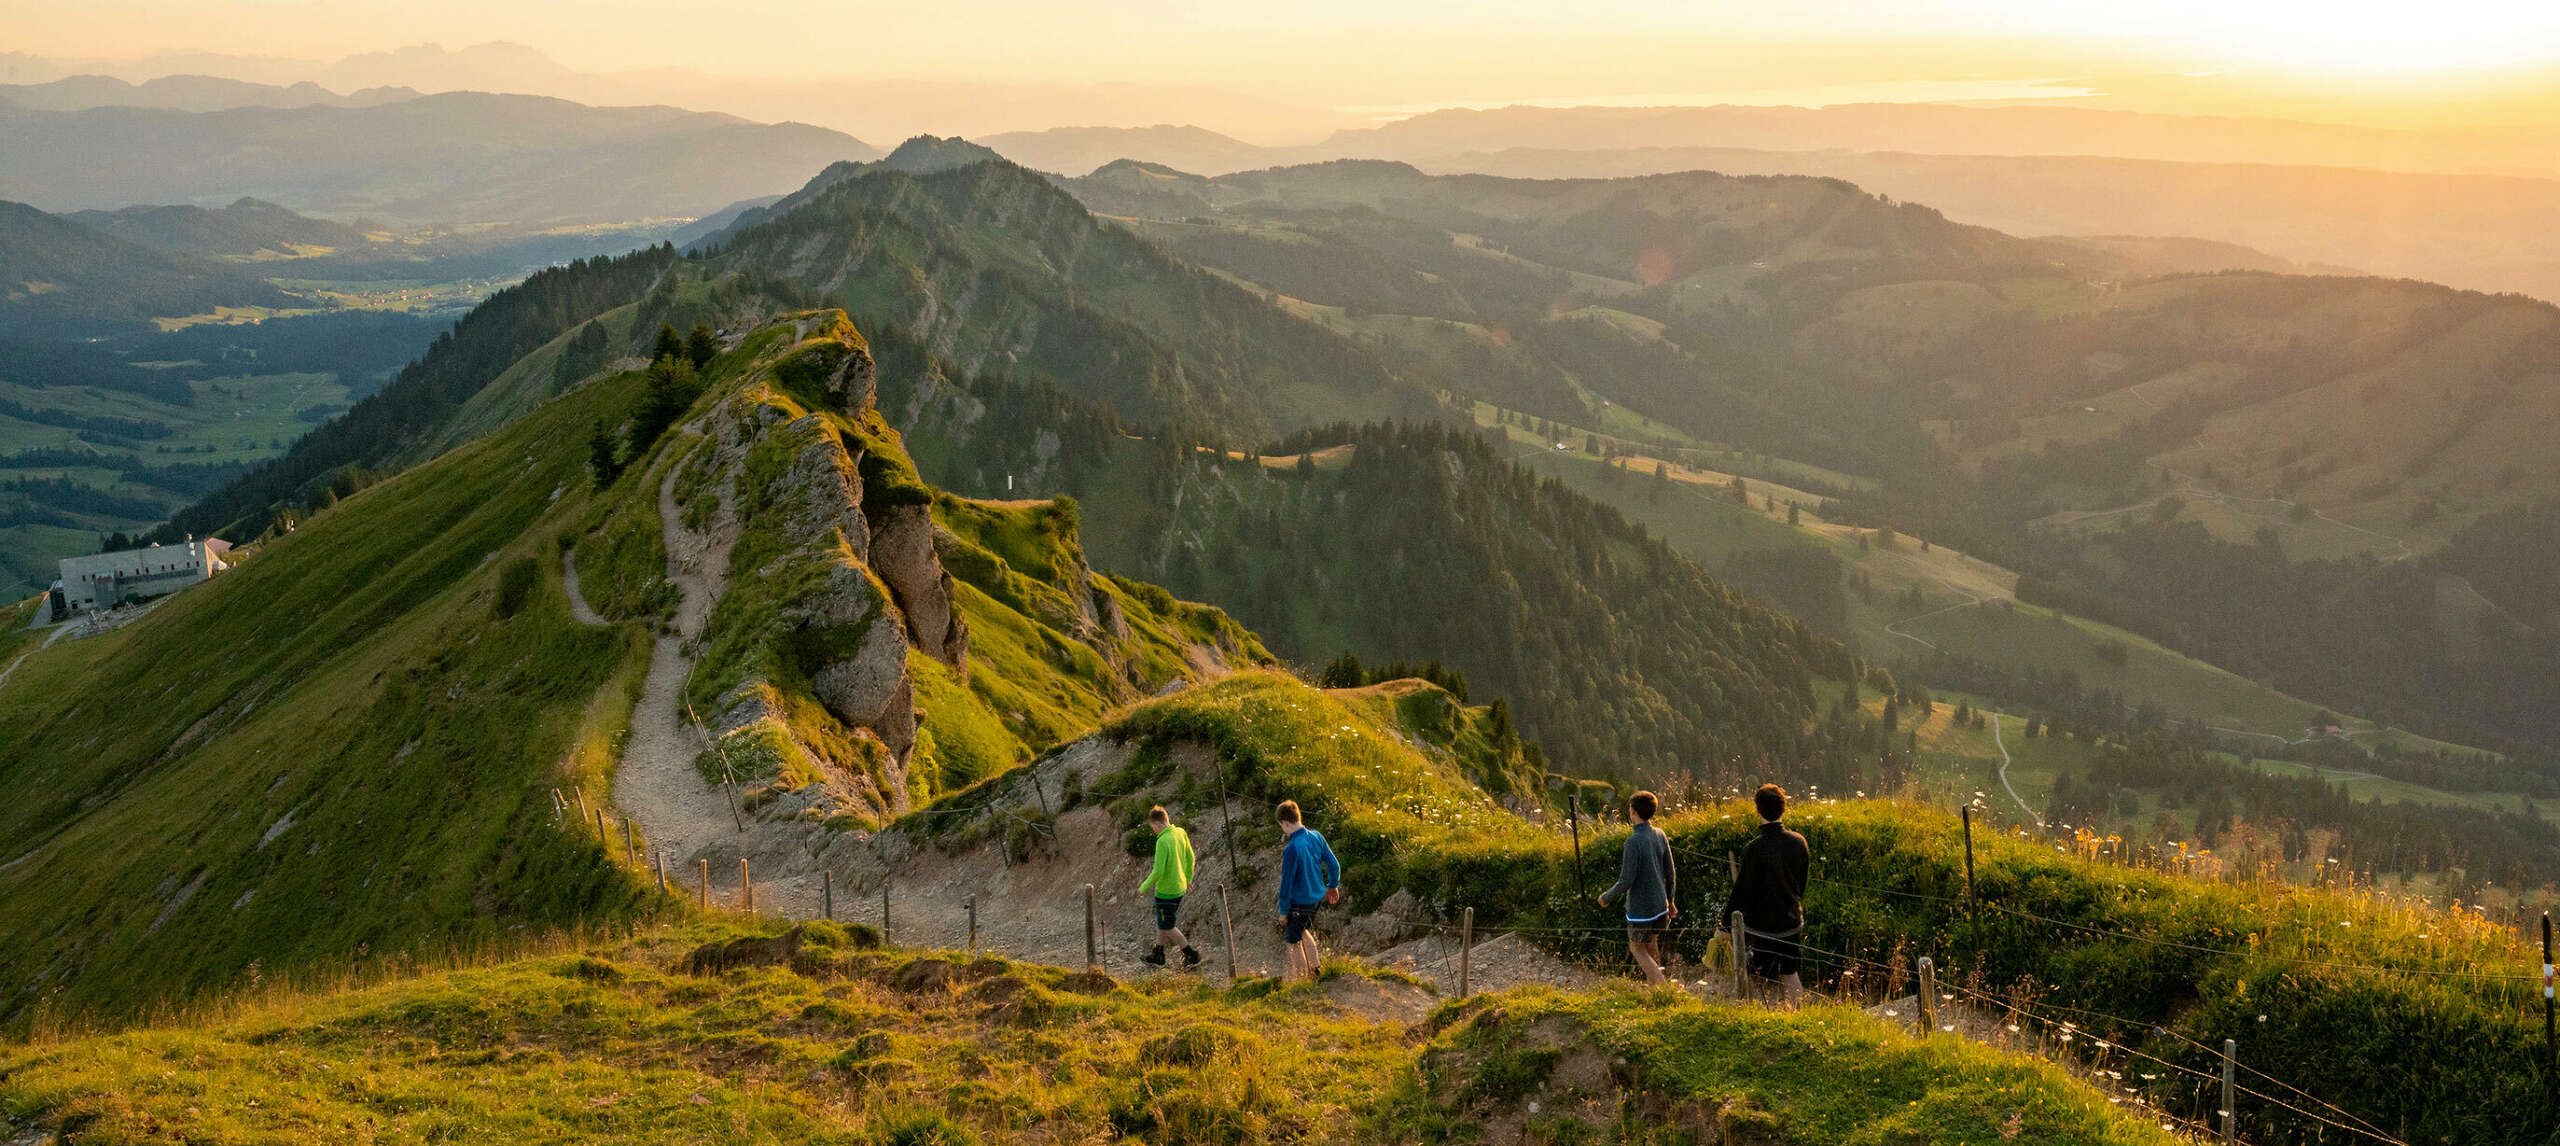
(2351, 36)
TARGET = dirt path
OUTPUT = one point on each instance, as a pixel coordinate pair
(1998, 741)
(687, 819)
(59, 631)
(578, 606)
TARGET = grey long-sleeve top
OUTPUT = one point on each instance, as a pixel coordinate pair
(1646, 875)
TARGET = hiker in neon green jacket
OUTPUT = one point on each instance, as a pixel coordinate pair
(1168, 880)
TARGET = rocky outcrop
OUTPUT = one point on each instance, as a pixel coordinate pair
(902, 553)
(855, 651)
(824, 488)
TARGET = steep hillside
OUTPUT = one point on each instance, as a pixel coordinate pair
(61, 279)
(357, 744)
(1404, 544)
(1005, 274)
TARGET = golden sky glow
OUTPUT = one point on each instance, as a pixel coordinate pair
(2404, 58)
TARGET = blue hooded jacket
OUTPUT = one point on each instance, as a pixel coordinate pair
(1307, 869)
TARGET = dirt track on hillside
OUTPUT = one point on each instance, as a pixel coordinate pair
(687, 819)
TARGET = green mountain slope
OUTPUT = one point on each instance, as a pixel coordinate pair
(1617, 655)
(1004, 273)
(2263, 438)
(349, 746)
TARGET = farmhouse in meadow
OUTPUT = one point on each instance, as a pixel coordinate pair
(106, 580)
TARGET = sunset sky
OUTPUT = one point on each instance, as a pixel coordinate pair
(2478, 61)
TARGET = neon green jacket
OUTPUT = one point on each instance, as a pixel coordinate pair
(1172, 874)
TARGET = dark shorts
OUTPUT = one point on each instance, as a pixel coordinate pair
(1775, 958)
(1298, 920)
(1166, 909)
(1649, 930)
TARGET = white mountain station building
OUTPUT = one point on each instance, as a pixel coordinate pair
(106, 580)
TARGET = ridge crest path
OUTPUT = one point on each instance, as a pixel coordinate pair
(682, 816)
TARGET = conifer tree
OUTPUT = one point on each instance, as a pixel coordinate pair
(600, 456)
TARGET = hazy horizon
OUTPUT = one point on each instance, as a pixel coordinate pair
(1285, 78)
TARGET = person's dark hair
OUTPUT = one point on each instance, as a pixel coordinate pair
(1644, 805)
(1772, 800)
(1288, 811)
(1157, 815)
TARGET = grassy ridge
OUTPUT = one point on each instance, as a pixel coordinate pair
(845, 1045)
(2199, 960)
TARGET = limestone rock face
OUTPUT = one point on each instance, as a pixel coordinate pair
(860, 641)
(823, 491)
(902, 553)
(856, 383)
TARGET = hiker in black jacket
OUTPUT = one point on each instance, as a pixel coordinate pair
(1647, 877)
(1768, 889)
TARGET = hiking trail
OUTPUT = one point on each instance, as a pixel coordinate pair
(2003, 744)
(685, 817)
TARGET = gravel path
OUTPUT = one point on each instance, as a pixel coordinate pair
(688, 820)
(578, 607)
(2003, 745)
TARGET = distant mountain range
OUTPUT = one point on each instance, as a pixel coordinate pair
(448, 159)
(2312, 200)
(188, 93)
(248, 227)
(59, 277)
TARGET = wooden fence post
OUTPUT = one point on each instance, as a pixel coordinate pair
(973, 927)
(706, 884)
(2230, 1108)
(582, 804)
(1466, 948)
(1575, 818)
(630, 843)
(1092, 941)
(661, 859)
(2550, 1037)
(1228, 923)
(1226, 823)
(746, 887)
(1741, 960)
(1968, 857)
(602, 836)
(1927, 1015)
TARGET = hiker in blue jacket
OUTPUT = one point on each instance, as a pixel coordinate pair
(1648, 879)
(1310, 877)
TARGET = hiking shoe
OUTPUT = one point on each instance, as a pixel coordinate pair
(1153, 958)
(1190, 957)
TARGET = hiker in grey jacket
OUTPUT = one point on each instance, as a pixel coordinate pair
(1647, 878)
